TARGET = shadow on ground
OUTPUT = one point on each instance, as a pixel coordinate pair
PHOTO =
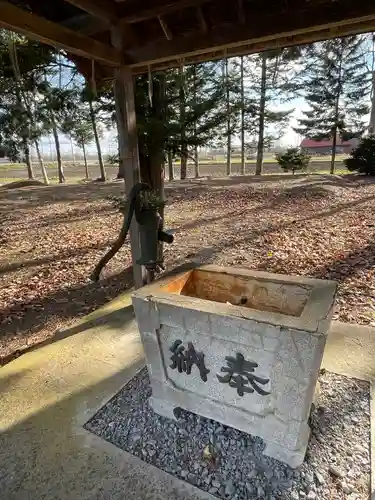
(65, 306)
(207, 254)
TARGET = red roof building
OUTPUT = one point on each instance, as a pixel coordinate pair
(325, 147)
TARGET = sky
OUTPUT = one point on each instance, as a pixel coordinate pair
(291, 138)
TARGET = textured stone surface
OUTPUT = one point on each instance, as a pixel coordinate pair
(287, 349)
(230, 464)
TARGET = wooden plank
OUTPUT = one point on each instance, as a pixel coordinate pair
(202, 19)
(37, 28)
(164, 26)
(106, 10)
(258, 35)
(256, 47)
(130, 15)
(128, 145)
(241, 12)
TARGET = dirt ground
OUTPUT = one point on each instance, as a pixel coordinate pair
(51, 237)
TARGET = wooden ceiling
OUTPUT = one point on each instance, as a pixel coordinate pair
(156, 34)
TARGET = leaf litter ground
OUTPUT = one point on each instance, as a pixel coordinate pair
(51, 237)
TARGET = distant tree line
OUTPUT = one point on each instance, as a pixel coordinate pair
(181, 110)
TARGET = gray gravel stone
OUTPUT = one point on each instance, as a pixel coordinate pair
(239, 470)
(319, 478)
(252, 474)
(335, 471)
(229, 488)
(249, 487)
(360, 449)
(192, 478)
(260, 492)
(309, 477)
(346, 488)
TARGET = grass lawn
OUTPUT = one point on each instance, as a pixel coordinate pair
(47, 164)
(53, 236)
(218, 160)
(221, 159)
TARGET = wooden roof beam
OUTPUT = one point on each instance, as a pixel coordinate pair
(259, 31)
(201, 19)
(241, 12)
(256, 47)
(130, 15)
(37, 28)
(106, 10)
(164, 26)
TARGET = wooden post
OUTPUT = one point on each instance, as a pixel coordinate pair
(128, 146)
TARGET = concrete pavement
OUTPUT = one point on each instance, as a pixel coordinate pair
(48, 394)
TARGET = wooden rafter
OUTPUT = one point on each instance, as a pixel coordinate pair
(16, 19)
(164, 26)
(260, 32)
(132, 15)
(106, 10)
(241, 12)
(202, 19)
(254, 47)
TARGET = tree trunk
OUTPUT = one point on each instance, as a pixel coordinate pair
(196, 155)
(242, 121)
(29, 165)
(26, 141)
(58, 152)
(184, 153)
(229, 132)
(184, 159)
(334, 131)
(336, 117)
(120, 171)
(196, 164)
(371, 128)
(121, 168)
(157, 142)
(41, 163)
(170, 166)
(85, 160)
(72, 150)
(333, 155)
(97, 142)
(262, 107)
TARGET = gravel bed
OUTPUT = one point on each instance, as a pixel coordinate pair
(229, 464)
